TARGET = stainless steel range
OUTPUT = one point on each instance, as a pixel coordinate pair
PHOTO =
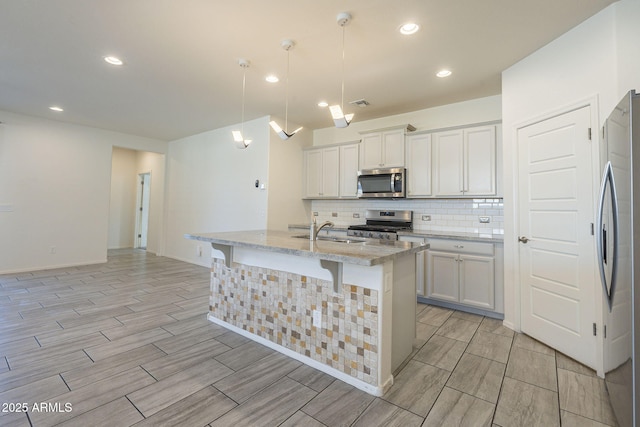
(383, 224)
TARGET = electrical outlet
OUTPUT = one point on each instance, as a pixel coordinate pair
(356, 215)
(485, 220)
(426, 217)
(317, 318)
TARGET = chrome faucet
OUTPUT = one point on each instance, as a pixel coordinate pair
(316, 230)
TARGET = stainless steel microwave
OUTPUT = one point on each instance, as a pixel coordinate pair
(382, 183)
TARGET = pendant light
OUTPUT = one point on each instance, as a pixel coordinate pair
(286, 45)
(339, 118)
(238, 135)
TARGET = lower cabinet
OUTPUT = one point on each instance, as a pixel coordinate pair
(461, 274)
(461, 278)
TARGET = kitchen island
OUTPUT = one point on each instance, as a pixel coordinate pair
(343, 306)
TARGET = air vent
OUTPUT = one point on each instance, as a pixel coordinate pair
(360, 102)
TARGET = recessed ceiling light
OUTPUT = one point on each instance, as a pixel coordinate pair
(409, 28)
(56, 109)
(443, 73)
(323, 104)
(113, 60)
(271, 78)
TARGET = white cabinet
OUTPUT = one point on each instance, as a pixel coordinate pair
(480, 161)
(321, 172)
(382, 149)
(349, 160)
(462, 272)
(331, 172)
(418, 161)
(464, 162)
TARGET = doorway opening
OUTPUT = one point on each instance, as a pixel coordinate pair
(142, 210)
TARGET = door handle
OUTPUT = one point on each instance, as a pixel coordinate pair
(608, 179)
(523, 239)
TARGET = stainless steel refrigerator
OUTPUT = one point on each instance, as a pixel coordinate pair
(618, 247)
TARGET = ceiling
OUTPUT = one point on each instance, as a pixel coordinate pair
(181, 74)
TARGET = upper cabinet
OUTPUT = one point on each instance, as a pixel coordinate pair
(455, 163)
(321, 172)
(418, 161)
(383, 148)
(349, 160)
(331, 172)
(464, 162)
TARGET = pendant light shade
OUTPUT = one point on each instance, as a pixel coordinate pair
(238, 135)
(340, 119)
(283, 133)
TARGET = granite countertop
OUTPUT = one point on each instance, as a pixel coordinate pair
(475, 237)
(368, 252)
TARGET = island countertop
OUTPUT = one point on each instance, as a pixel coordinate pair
(368, 252)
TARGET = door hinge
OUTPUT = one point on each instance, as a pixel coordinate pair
(589, 134)
(593, 233)
(604, 330)
(594, 329)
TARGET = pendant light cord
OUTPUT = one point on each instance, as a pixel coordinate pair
(286, 98)
(244, 80)
(342, 100)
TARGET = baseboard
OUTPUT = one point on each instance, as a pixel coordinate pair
(51, 267)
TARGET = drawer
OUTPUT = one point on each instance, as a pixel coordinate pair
(461, 246)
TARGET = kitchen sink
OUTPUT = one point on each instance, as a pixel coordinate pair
(331, 238)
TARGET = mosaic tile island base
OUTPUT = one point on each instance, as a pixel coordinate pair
(269, 286)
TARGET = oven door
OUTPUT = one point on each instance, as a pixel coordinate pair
(381, 183)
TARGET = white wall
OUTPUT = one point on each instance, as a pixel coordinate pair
(592, 61)
(285, 184)
(627, 14)
(458, 114)
(210, 187)
(122, 204)
(55, 184)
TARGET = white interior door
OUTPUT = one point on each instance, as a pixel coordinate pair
(142, 220)
(556, 249)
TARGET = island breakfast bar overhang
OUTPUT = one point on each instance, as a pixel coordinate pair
(273, 287)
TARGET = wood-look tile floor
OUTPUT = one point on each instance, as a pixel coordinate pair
(128, 343)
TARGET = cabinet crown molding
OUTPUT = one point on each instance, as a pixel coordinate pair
(337, 144)
(406, 128)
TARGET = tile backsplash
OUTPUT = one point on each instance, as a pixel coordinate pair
(277, 306)
(449, 215)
